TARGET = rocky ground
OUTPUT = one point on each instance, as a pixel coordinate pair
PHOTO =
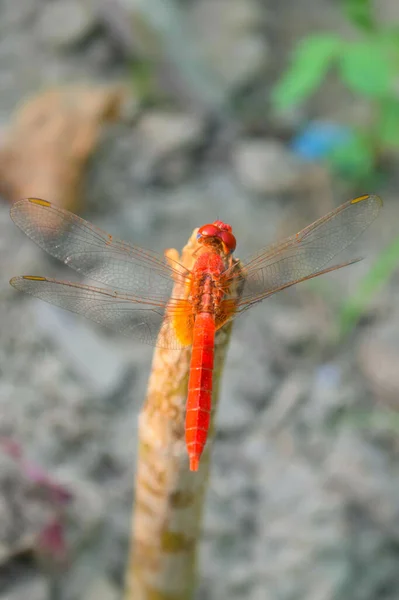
(304, 496)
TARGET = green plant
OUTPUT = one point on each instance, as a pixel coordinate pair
(369, 67)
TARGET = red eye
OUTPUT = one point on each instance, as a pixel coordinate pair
(209, 231)
(228, 240)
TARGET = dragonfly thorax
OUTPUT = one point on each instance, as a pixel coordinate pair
(208, 291)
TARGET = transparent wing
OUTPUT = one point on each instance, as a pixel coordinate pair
(95, 253)
(117, 311)
(304, 255)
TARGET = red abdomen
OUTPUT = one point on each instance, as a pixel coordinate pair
(200, 387)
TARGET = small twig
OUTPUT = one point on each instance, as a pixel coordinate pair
(169, 498)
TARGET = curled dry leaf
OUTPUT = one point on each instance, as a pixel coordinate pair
(47, 146)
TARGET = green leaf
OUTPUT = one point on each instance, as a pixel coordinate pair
(366, 68)
(360, 12)
(311, 60)
(373, 420)
(388, 125)
(390, 35)
(142, 74)
(354, 160)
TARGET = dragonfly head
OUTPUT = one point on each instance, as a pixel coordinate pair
(217, 234)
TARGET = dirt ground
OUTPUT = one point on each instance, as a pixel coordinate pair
(304, 494)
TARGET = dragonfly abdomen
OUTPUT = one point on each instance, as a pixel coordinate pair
(199, 399)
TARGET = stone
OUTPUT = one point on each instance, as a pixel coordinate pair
(230, 40)
(34, 588)
(166, 141)
(266, 166)
(101, 363)
(65, 23)
(378, 357)
(169, 131)
(102, 589)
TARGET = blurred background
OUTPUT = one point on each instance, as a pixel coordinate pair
(150, 118)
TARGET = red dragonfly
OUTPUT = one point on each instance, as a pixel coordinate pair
(139, 294)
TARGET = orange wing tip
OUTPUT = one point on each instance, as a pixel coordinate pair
(38, 201)
(15, 280)
(33, 278)
(360, 199)
(194, 463)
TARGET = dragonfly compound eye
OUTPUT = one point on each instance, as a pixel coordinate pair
(228, 240)
(210, 230)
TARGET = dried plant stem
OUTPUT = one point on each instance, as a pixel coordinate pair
(169, 498)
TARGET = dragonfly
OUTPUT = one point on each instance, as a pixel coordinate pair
(139, 298)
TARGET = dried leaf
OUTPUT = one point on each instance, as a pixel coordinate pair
(47, 146)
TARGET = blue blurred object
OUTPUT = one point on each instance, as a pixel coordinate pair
(319, 138)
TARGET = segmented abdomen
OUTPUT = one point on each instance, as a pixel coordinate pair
(200, 387)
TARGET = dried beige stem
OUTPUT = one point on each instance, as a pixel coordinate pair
(169, 498)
